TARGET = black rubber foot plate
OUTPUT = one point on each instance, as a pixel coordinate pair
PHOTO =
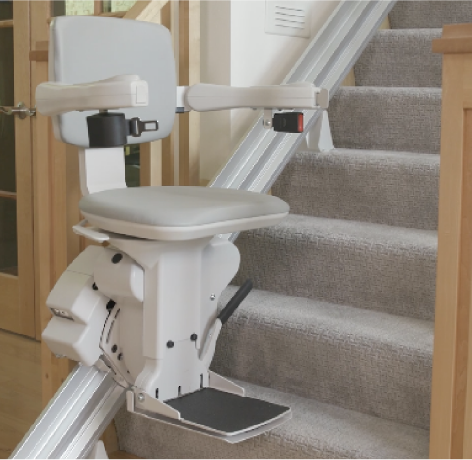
(226, 413)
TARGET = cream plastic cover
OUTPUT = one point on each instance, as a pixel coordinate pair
(86, 49)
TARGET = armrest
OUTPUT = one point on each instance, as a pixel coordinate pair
(304, 95)
(114, 93)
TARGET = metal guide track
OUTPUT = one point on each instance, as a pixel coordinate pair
(75, 418)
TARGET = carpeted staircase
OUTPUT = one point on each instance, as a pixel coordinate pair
(340, 326)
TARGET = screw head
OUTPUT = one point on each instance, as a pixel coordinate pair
(117, 258)
(213, 297)
(114, 348)
(170, 344)
(140, 397)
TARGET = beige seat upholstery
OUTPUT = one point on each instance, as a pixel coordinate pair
(180, 213)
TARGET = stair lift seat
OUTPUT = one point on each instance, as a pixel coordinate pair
(180, 213)
(145, 306)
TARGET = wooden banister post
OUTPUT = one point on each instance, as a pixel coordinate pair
(451, 402)
(189, 74)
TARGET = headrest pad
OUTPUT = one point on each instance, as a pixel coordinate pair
(84, 49)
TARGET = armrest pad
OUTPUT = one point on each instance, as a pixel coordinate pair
(114, 93)
(303, 95)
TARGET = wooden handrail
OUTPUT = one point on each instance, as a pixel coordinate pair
(451, 402)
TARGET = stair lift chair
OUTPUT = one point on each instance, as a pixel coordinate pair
(145, 306)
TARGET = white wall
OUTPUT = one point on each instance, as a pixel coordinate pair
(236, 50)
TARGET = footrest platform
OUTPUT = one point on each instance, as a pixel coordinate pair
(227, 416)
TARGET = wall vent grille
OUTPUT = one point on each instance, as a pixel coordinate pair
(289, 18)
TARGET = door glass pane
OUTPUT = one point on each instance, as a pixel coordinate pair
(6, 9)
(71, 7)
(132, 165)
(7, 122)
(110, 6)
(8, 238)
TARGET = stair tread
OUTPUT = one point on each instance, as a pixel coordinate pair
(349, 230)
(428, 14)
(386, 118)
(309, 315)
(362, 264)
(316, 430)
(391, 58)
(369, 361)
(385, 187)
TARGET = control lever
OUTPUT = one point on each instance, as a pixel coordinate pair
(208, 349)
(235, 301)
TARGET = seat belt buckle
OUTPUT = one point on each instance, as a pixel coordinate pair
(288, 122)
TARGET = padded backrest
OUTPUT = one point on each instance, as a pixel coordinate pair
(85, 49)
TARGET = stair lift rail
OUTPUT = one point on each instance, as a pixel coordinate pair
(74, 420)
(72, 423)
(263, 154)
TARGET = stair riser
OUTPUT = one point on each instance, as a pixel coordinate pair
(363, 186)
(299, 262)
(392, 57)
(429, 14)
(356, 372)
(399, 119)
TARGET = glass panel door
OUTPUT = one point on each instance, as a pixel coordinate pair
(17, 313)
(6, 10)
(8, 239)
(72, 7)
(89, 7)
(112, 6)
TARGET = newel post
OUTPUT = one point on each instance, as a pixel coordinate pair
(451, 402)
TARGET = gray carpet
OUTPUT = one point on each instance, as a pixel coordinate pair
(352, 357)
(392, 188)
(365, 265)
(391, 59)
(429, 14)
(317, 430)
(383, 118)
(340, 325)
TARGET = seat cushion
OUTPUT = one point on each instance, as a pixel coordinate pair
(187, 210)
